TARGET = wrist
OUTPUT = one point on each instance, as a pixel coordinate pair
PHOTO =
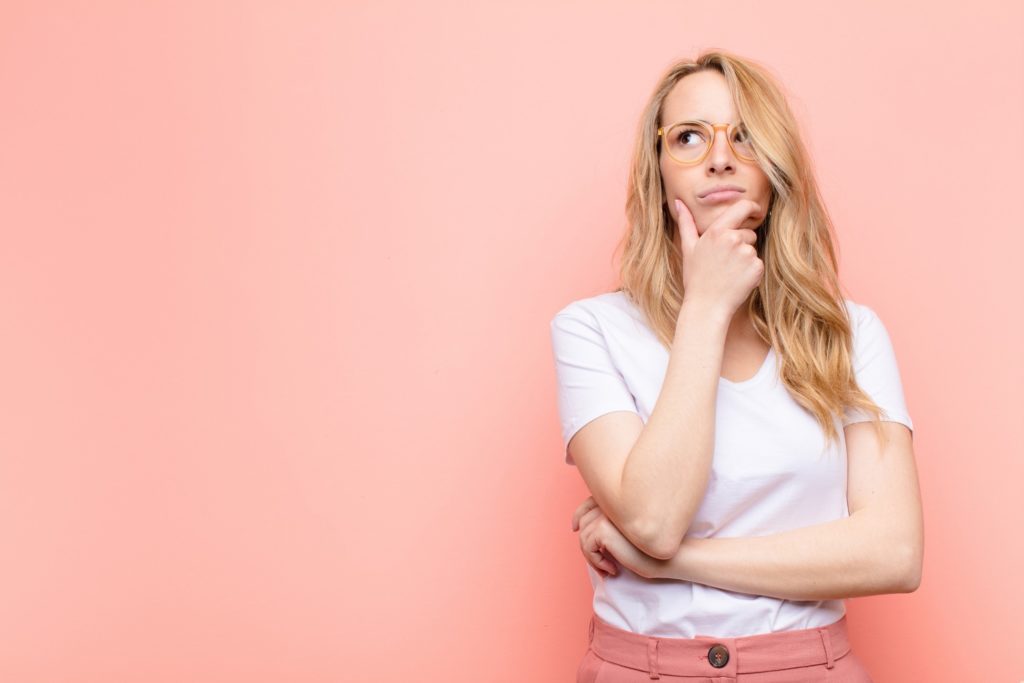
(704, 312)
(681, 566)
(712, 308)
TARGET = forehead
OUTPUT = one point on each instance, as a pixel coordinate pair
(702, 95)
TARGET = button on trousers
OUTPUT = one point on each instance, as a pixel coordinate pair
(814, 654)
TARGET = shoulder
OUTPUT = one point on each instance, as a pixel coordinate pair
(611, 318)
(608, 309)
(862, 316)
(869, 335)
(855, 309)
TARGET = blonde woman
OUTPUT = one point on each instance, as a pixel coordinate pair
(740, 423)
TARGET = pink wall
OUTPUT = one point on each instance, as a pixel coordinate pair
(278, 398)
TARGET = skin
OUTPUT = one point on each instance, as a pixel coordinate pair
(705, 95)
(878, 548)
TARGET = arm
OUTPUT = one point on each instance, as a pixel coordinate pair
(666, 472)
(877, 549)
(843, 558)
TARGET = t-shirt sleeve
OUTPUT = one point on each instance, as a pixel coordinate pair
(589, 384)
(874, 363)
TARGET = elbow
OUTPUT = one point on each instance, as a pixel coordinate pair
(661, 548)
(908, 578)
(657, 530)
(665, 549)
(656, 543)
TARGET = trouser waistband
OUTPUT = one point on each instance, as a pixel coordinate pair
(713, 656)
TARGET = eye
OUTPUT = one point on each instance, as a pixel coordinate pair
(741, 134)
(689, 136)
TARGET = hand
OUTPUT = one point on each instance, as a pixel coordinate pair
(721, 266)
(599, 538)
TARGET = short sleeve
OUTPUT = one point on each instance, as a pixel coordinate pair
(589, 385)
(874, 363)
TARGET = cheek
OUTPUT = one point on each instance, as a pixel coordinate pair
(675, 183)
(764, 185)
(666, 177)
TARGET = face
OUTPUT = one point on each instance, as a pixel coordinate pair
(705, 95)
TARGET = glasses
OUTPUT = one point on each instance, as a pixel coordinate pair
(688, 142)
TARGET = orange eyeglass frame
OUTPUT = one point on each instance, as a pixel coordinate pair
(714, 128)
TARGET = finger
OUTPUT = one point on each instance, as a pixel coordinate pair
(597, 555)
(585, 507)
(736, 214)
(606, 566)
(581, 509)
(591, 516)
(687, 228)
(747, 235)
(589, 547)
(597, 558)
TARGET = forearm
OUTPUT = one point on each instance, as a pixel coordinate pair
(844, 558)
(666, 473)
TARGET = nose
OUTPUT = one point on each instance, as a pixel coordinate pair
(720, 156)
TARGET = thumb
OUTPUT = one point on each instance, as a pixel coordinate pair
(687, 228)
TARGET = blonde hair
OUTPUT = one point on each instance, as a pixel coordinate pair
(797, 307)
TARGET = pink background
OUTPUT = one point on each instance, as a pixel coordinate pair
(278, 400)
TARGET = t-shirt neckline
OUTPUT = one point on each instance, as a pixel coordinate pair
(745, 385)
(758, 377)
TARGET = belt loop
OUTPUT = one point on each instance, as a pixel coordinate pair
(590, 632)
(652, 657)
(826, 640)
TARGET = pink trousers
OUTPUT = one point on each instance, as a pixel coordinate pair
(814, 654)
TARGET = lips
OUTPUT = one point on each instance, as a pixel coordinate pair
(720, 197)
(720, 188)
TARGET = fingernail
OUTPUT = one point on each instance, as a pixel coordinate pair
(677, 206)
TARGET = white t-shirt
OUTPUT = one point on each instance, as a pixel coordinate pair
(769, 472)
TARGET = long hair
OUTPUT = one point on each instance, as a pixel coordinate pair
(797, 308)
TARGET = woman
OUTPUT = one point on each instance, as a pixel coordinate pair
(740, 424)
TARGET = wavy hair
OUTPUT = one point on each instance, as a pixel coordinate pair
(797, 307)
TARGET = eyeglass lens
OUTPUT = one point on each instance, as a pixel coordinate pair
(689, 140)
